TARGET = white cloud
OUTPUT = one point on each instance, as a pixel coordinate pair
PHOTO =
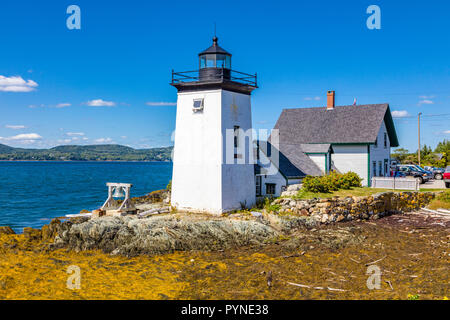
(34, 106)
(63, 105)
(103, 140)
(64, 140)
(100, 103)
(14, 127)
(161, 104)
(400, 114)
(447, 132)
(425, 101)
(16, 84)
(72, 134)
(23, 137)
(312, 98)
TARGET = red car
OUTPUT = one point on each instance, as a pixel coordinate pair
(447, 177)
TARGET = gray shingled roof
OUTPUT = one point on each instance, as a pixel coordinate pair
(316, 147)
(292, 161)
(343, 124)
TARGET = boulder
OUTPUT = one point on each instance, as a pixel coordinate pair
(294, 187)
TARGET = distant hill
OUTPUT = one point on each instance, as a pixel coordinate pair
(5, 148)
(103, 152)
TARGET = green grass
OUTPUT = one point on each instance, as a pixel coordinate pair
(442, 201)
(354, 192)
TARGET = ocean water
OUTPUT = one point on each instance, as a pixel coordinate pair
(32, 193)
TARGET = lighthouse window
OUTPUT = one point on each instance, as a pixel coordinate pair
(210, 60)
(198, 105)
(202, 62)
(222, 61)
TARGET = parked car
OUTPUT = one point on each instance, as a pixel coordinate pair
(413, 171)
(428, 172)
(447, 177)
(417, 167)
(438, 173)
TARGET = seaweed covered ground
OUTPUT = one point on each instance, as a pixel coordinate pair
(327, 262)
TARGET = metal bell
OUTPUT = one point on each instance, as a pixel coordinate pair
(118, 192)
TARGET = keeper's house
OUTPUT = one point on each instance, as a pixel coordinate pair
(313, 141)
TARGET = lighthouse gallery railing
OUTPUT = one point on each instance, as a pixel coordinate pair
(231, 75)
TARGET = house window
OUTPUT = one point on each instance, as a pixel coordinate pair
(380, 169)
(385, 140)
(376, 142)
(270, 188)
(258, 185)
(386, 167)
(198, 105)
(374, 168)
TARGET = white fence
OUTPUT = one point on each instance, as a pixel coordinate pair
(395, 183)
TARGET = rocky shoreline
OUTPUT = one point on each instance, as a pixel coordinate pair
(161, 231)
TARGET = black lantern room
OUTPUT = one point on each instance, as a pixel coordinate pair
(215, 57)
(214, 62)
(214, 72)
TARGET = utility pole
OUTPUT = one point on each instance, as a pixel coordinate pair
(418, 124)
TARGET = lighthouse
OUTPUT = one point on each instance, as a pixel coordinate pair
(213, 164)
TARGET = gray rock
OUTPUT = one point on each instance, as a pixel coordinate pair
(162, 234)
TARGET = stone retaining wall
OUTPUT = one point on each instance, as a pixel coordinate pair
(353, 208)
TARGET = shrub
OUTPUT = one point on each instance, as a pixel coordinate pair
(315, 184)
(352, 179)
(331, 182)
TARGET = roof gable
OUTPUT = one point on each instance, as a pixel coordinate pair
(344, 124)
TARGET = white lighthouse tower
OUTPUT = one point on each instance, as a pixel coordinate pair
(213, 169)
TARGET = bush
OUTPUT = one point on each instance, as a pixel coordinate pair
(271, 207)
(315, 184)
(331, 182)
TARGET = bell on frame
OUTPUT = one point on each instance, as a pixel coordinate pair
(118, 192)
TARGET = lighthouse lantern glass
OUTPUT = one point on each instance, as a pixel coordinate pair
(215, 61)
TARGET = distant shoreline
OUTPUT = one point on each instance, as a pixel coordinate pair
(165, 161)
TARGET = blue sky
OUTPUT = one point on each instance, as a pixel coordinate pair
(109, 81)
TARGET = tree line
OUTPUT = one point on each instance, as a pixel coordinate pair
(439, 157)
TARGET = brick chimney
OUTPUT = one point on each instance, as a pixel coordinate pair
(330, 100)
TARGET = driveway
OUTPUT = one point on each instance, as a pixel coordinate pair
(433, 184)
